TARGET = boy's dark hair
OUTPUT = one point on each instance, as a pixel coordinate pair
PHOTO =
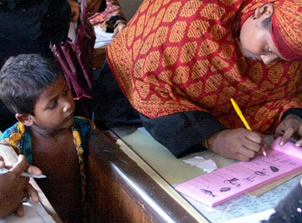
(23, 78)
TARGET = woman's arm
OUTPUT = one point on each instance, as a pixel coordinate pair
(183, 133)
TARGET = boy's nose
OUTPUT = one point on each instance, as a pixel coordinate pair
(67, 106)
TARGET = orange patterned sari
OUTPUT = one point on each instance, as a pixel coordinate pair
(184, 55)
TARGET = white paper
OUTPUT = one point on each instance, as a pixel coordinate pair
(200, 162)
(254, 218)
(34, 213)
(102, 38)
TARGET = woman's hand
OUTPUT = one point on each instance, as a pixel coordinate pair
(291, 126)
(239, 144)
(75, 10)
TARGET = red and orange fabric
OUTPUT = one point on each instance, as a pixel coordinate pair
(184, 55)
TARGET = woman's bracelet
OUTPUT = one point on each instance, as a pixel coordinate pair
(206, 144)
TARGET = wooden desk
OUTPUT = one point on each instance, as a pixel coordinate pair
(121, 191)
(124, 187)
(46, 204)
(176, 171)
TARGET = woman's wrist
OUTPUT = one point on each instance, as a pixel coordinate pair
(205, 144)
(210, 142)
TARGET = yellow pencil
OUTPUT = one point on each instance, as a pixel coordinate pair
(247, 126)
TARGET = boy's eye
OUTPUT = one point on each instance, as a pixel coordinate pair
(52, 106)
(269, 50)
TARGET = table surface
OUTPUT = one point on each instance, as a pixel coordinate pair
(46, 204)
(174, 171)
(135, 181)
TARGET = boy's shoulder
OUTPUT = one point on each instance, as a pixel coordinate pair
(17, 136)
(14, 133)
(17, 128)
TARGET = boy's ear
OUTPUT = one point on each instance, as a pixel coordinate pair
(26, 119)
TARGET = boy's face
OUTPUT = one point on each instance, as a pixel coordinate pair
(55, 107)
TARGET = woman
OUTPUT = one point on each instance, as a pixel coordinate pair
(179, 62)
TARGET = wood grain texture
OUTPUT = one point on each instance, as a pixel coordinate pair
(120, 191)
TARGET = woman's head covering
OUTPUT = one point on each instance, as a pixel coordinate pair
(286, 25)
(286, 28)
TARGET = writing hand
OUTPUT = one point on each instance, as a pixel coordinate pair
(239, 144)
(289, 127)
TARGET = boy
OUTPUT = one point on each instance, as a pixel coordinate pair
(47, 133)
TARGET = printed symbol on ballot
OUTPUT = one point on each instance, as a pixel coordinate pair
(250, 179)
(274, 169)
(207, 192)
(233, 181)
(262, 172)
(225, 189)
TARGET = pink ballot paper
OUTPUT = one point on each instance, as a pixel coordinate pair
(231, 181)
